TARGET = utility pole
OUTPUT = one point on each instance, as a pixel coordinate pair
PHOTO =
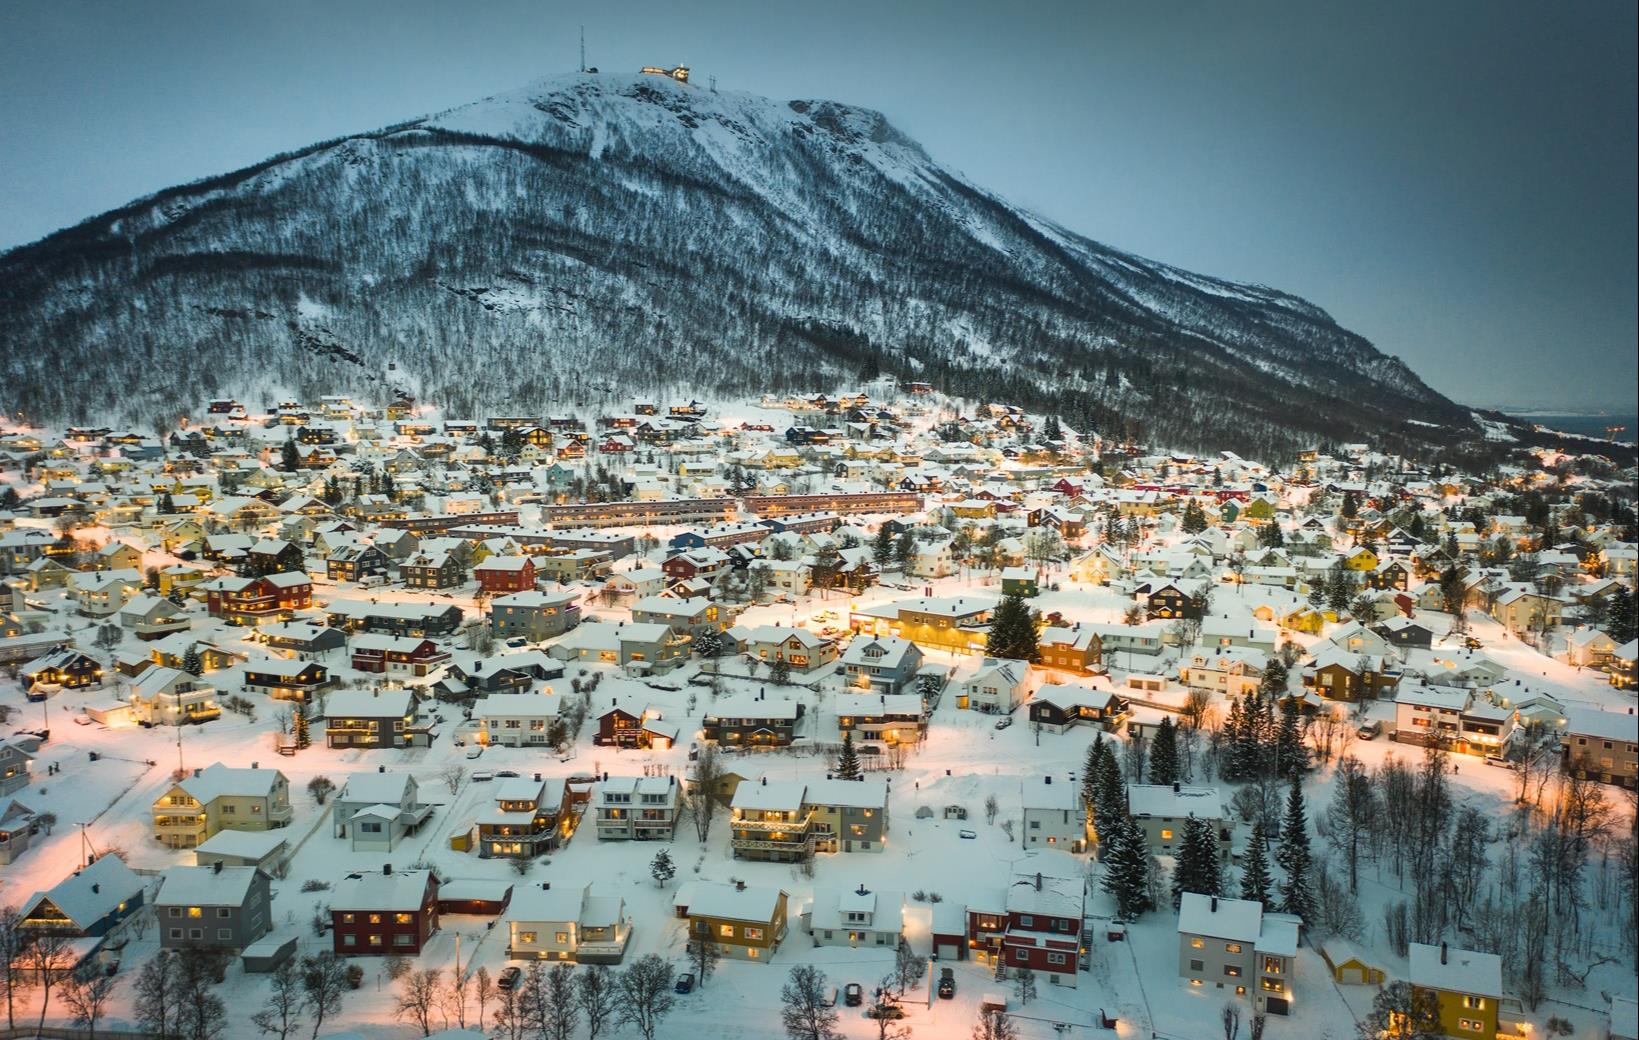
(583, 48)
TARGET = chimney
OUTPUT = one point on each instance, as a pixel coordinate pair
(1442, 951)
(386, 870)
(765, 781)
(256, 765)
(216, 868)
(1214, 904)
(739, 886)
(1048, 780)
(1038, 881)
(381, 769)
(537, 778)
(1176, 787)
(96, 888)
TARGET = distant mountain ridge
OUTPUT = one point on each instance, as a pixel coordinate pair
(592, 237)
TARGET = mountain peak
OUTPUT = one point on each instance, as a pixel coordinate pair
(662, 235)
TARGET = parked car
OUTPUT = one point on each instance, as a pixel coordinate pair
(509, 976)
(1004, 722)
(890, 1012)
(515, 643)
(483, 776)
(685, 983)
(966, 834)
(1370, 730)
(474, 752)
(1472, 644)
(947, 983)
(853, 994)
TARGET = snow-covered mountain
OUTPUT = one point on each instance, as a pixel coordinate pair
(614, 235)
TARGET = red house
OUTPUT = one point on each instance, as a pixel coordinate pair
(251, 601)
(1036, 923)
(504, 574)
(384, 914)
(618, 727)
(397, 655)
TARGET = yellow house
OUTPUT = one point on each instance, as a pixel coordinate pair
(974, 509)
(1258, 511)
(221, 798)
(1466, 987)
(1361, 558)
(1303, 619)
(743, 921)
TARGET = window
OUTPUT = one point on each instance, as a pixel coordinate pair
(196, 933)
(1026, 921)
(561, 938)
(1197, 943)
(1166, 835)
(403, 918)
(754, 934)
(375, 940)
(1273, 986)
(1473, 1003)
(1272, 966)
(194, 911)
(527, 937)
(403, 939)
(176, 911)
(1232, 971)
(1055, 958)
(224, 933)
(1195, 965)
(1470, 1025)
(726, 931)
(1232, 947)
(176, 933)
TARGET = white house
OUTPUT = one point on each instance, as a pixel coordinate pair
(857, 918)
(376, 810)
(996, 688)
(1053, 814)
(515, 719)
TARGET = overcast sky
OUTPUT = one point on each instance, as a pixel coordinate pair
(1455, 181)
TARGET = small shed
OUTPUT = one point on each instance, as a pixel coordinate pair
(262, 849)
(1348, 965)
(481, 898)
(267, 953)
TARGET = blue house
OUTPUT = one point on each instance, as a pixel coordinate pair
(89, 902)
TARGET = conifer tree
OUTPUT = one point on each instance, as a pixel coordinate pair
(1089, 778)
(1197, 864)
(1112, 790)
(882, 547)
(848, 759)
(289, 459)
(1013, 631)
(1127, 869)
(1255, 882)
(1194, 521)
(904, 550)
(1291, 755)
(298, 728)
(1296, 892)
(192, 663)
(1164, 753)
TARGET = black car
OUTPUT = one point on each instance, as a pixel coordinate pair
(509, 977)
(685, 983)
(853, 994)
(947, 983)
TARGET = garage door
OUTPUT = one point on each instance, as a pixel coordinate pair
(948, 951)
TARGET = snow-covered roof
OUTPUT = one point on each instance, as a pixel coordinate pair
(1457, 971)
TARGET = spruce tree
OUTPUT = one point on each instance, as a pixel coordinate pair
(1291, 756)
(192, 663)
(1013, 631)
(1234, 725)
(289, 459)
(1255, 883)
(1089, 779)
(848, 759)
(1194, 521)
(1296, 894)
(1164, 753)
(1127, 869)
(882, 547)
(298, 727)
(167, 505)
(904, 550)
(1112, 790)
(1196, 868)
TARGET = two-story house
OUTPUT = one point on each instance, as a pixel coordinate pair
(531, 816)
(881, 664)
(1233, 944)
(372, 719)
(384, 914)
(637, 808)
(219, 798)
(742, 921)
(1053, 815)
(1161, 809)
(212, 908)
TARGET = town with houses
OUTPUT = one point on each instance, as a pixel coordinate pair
(866, 714)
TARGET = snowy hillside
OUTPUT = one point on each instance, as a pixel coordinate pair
(592, 235)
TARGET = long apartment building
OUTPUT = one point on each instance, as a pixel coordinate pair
(897, 502)
(638, 514)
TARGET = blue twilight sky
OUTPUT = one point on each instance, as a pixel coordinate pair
(1454, 180)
